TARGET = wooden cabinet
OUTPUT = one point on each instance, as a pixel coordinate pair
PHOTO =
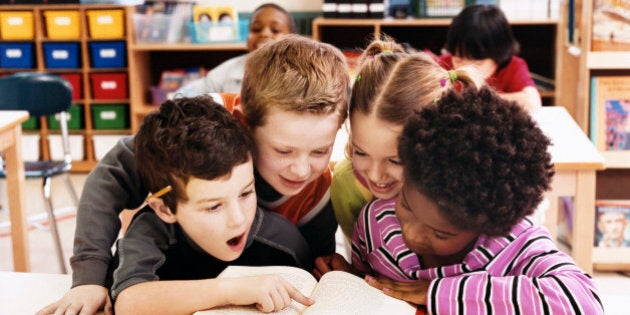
(537, 38)
(580, 63)
(70, 48)
(147, 61)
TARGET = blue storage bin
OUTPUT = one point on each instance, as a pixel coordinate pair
(108, 54)
(62, 55)
(16, 55)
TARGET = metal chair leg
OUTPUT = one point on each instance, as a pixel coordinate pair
(53, 224)
(73, 193)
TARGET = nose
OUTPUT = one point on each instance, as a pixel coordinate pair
(301, 168)
(236, 216)
(266, 32)
(376, 172)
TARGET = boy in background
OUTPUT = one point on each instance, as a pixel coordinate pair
(205, 219)
(267, 22)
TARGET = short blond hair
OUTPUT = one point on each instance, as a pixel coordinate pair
(295, 74)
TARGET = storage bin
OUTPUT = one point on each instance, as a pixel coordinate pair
(110, 116)
(62, 55)
(151, 28)
(108, 54)
(75, 119)
(211, 32)
(104, 143)
(16, 25)
(108, 86)
(31, 124)
(76, 82)
(16, 55)
(76, 147)
(63, 24)
(105, 24)
(440, 8)
(30, 147)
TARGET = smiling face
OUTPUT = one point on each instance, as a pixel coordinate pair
(293, 148)
(375, 154)
(427, 232)
(266, 24)
(219, 213)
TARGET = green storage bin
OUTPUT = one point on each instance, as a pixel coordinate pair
(110, 116)
(75, 119)
(30, 124)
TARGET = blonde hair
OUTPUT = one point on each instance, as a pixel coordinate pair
(375, 64)
(418, 81)
(295, 74)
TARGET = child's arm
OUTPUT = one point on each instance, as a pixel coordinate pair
(112, 186)
(84, 299)
(529, 278)
(268, 293)
(528, 98)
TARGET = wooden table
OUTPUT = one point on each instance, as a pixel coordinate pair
(26, 293)
(576, 161)
(11, 144)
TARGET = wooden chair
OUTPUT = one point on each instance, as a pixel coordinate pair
(42, 94)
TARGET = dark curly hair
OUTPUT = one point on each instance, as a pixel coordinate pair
(189, 137)
(482, 160)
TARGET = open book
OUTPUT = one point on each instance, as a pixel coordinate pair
(337, 292)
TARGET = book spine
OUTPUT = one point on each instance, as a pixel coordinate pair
(593, 111)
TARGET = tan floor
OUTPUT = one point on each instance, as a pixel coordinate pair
(614, 288)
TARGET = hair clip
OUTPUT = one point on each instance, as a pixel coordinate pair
(358, 78)
(436, 100)
(443, 82)
(452, 75)
(386, 51)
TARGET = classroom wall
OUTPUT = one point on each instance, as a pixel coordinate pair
(250, 5)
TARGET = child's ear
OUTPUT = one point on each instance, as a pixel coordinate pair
(238, 113)
(162, 211)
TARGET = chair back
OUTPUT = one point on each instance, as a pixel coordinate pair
(40, 94)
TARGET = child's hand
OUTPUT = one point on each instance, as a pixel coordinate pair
(414, 292)
(269, 293)
(83, 299)
(325, 264)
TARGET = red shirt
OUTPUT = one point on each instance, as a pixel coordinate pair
(512, 78)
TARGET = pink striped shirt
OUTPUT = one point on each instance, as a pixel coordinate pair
(522, 273)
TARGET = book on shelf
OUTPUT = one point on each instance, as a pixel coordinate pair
(611, 25)
(610, 110)
(612, 223)
(337, 292)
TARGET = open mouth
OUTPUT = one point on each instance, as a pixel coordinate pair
(235, 240)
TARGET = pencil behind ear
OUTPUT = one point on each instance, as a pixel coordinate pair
(162, 211)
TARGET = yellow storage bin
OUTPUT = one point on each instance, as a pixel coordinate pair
(16, 25)
(106, 24)
(63, 24)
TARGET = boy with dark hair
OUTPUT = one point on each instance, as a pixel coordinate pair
(204, 217)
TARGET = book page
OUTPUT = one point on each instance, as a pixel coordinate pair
(340, 292)
(300, 279)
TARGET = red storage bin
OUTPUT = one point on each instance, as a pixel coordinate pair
(75, 81)
(109, 86)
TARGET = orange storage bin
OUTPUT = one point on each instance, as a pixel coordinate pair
(63, 24)
(106, 24)
(16, 25)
